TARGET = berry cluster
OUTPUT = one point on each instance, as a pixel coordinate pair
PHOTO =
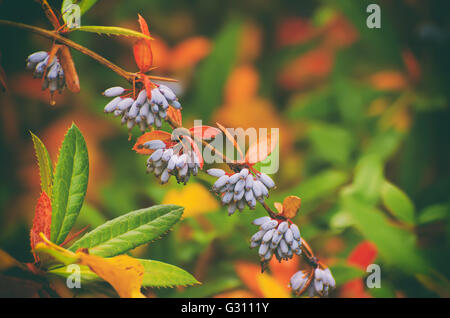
(52, 72)
(149, 108)
(241, 188)
(177, 160)
(276, 237)
(320, 285)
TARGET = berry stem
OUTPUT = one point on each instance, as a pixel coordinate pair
(53, 35)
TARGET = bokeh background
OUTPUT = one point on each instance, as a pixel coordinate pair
(364, 135)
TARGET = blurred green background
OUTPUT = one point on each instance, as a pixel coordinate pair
(364, 135)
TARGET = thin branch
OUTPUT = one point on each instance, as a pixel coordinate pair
(63, 40)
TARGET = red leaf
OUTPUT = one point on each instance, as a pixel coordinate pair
(3, 85)
(148, 86)
(143, 55)
(142, 49)
(204, 132)
(70, 72)
(143, 25)
(175, 115)
(196, 150)
(261, 149)
(42, 220)
(363, 254)
(354, 289)
(153, 135)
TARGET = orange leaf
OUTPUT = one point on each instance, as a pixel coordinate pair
(283, 271)
(242, 84)
(363, 254)
(124, 273)
(68, 66)
(189, 52)
(230, 138)
(248, 273)
(142, 48)
(42, 220)
(175, 115)
(279, 207)
(204, 132)
(291, 205)
(153, 135)
(261, 149)
(389, 80)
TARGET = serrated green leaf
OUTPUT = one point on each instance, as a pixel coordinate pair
(45, 165)
(128, 231)
(397, 202)
(159, 274)
(110, 30)
(70, 184)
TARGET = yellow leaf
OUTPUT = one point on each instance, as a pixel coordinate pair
(291, 205)
(279, 207)
(195, 199)
(7, 261)
(124, 273)
(271, 288)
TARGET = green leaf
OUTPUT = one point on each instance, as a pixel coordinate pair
(368, 178)
(315, 187)
(159, 274)
(344, 273)
(128, 231)
(434, 213)
(397, 202)
(50, 256)
(381, 44)
(332, 143)
(397, 247)
(314, 105)
(384, 144)
(86, 275)
(110, 30)
(45, 165)
(70, 184)
(214, 70)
